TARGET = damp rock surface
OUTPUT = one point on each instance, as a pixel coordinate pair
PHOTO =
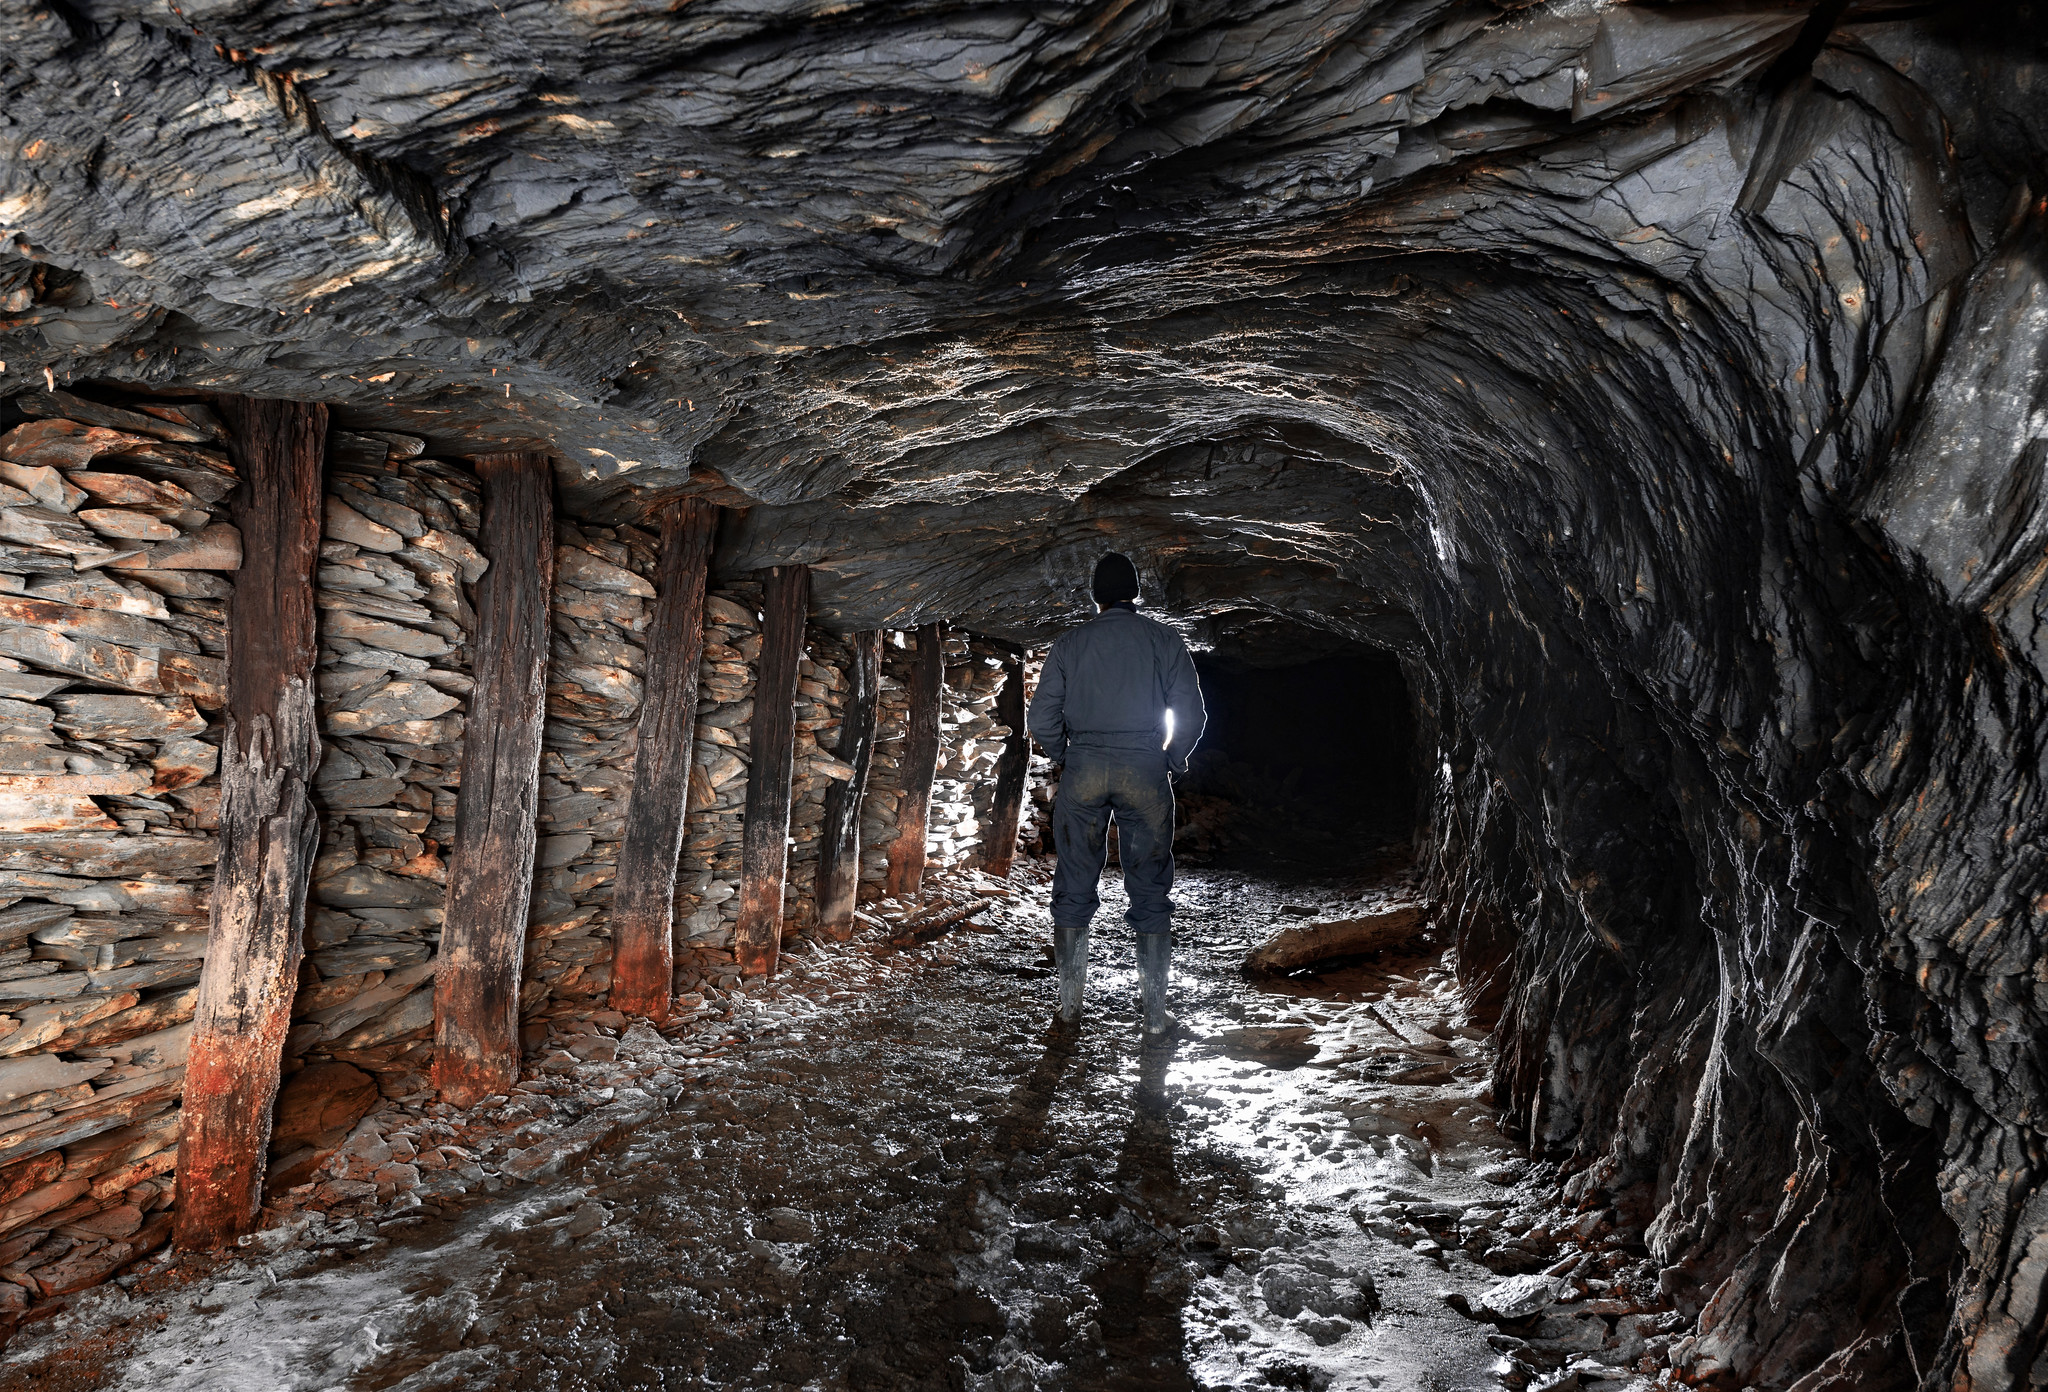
(921, 1186)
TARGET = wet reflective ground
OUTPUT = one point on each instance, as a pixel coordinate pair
(927, 1188)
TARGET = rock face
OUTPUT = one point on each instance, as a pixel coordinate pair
(1662, 383)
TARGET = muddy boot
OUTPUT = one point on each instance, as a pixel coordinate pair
(1070, 951)
(1154, 951)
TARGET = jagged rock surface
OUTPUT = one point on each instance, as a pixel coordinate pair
(1662, 382)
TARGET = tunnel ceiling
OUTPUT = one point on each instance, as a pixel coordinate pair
(1227, 281)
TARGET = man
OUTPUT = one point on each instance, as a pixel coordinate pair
(1119, 706)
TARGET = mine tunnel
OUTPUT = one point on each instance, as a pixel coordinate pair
(1309, 755)
(583, 590)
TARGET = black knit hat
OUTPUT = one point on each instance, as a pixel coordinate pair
(1116, 579)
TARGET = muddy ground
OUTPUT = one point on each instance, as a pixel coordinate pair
(921, 1185)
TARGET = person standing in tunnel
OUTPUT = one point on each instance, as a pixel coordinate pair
(1118, 705)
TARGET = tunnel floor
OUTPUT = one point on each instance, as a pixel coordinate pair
(925, 1187)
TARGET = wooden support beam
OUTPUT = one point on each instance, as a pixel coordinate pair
(920, 762)
(1013, 769)
(838, 884)
(490, 875)
(269, 830)
(643, 904)
(771, 755)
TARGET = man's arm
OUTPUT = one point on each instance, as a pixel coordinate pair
(1047, 720)
(1184, 699)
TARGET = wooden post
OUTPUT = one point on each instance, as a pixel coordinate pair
(839, 838)
(644, 902)
(1013, 768)
(920, 763)
(764, 844)
(269, 831)
(490, 876)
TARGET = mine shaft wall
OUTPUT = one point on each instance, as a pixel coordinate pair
(120, 566)
(1730, 650)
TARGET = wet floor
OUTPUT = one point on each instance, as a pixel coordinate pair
(920, 1185)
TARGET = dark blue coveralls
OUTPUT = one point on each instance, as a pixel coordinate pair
(1101, 708)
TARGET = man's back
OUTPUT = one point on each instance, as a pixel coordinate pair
(1109, 685)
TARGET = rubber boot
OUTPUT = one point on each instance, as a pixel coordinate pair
(1070, 951)
(1154, 952)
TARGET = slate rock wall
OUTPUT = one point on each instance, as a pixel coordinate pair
(395, 622)
(115, 570)
(115, 577)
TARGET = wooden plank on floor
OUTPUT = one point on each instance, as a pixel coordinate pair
(1013, 768)
(764, 844)
(643, 904)
(920, 762)
(839, 837)
(269, 831)
(490, 875)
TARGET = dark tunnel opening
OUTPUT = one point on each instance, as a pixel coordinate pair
(1307, 764)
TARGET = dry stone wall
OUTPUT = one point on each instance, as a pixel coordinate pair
(708, 879)
(114, 545)
(397, 555)
(116, 564)
(601, 605)
(970, 741)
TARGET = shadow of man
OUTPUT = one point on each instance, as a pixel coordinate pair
(928, 1322)
(1144, 1287)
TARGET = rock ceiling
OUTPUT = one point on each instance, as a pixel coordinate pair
(1007, 271)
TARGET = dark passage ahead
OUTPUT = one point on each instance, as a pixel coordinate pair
(1301, 757)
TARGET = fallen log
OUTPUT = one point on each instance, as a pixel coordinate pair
(933, 921)
(1291, 949)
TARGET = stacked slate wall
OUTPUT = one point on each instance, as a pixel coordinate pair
(707, 885)
(398, 553)
(116, 565)
(971, 741)
(963, 786)
(602, 602)
(708, 878)
(114, 553)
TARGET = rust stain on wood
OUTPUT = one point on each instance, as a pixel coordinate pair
(920, 764)
(764, 846)
(838, 883)
(269, 829)
(1013, 769)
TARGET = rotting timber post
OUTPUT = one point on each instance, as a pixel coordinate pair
(838, 883)
(490, 877)
(1013, 767)
(643, 906)
(920, 764)
(764, 846)
(269, 831)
